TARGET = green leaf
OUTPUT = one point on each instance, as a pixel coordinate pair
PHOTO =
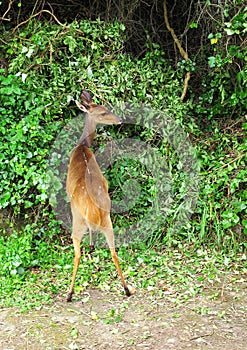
(214, 41)
(20, 270)
(193, 25)
(230, 31)
(71, 42)
(211, 61)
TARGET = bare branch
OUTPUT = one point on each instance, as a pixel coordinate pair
(183, 53)
(5, 13)
(35, 15)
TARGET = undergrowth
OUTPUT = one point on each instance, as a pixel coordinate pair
(40, 273)
(180, 187)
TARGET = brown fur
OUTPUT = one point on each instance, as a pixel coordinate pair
(88, 189)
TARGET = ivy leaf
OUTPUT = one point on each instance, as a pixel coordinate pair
(211, 61)
(230, 31)
(70, 41)
(20, 271)
(213, 41)
(193, 25)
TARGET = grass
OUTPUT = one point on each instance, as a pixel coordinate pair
(179, 273)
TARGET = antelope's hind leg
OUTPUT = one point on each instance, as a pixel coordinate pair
(108, 232)
(92, 248)
(79, 227)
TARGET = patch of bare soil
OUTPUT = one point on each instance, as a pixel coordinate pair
(104, 320)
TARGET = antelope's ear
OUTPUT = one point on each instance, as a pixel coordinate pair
(82, 107)
(86, 98)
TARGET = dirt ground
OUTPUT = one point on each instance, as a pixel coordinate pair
(104, 320)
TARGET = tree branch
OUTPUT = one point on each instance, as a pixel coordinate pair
(183, 53)
(35, 15)
(5, 13)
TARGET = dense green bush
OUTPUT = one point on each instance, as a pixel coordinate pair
(48, 65)
(25, 134)
(224, 86)
(222, 206)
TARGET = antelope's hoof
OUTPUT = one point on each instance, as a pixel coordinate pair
(129, 292)
(69, 297)
(132, 291)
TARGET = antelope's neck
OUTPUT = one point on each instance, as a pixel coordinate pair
(87, 136)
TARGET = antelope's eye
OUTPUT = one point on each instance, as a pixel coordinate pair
(104, 114)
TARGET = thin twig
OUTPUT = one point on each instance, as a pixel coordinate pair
(35, 15)
(238, 121)
(183, 53)
(200, 336)
(225, 165)
(174, 36)
(5, 13)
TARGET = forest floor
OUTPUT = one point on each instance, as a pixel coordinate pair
(105, 320)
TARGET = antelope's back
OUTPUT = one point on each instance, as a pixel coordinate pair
(86, 186)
